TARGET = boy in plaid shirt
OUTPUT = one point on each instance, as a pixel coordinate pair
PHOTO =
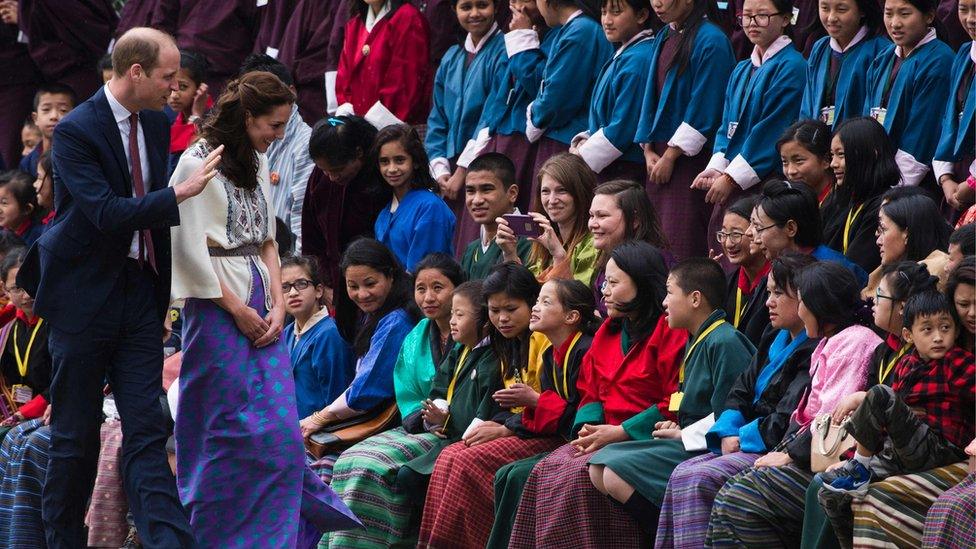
(919, 423)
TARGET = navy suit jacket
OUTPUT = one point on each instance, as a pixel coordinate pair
(73, 267)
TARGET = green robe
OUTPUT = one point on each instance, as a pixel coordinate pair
(478, 263)
(710, 372)
(478, 379)
(414, 372)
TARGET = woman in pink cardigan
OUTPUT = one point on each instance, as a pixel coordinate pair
(764, 506)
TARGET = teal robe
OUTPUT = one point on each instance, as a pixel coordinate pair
(413, 374)
(710, 373)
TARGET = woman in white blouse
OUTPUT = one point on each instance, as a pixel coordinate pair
(241, 469)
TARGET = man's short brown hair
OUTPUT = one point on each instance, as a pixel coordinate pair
(141, 46)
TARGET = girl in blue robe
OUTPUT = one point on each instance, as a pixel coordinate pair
(907, 87)
(760, 102)
(682, 110)
(608, 145)
(462, 85)
(416, 222)
(953, 160)
(321, 359)
(380, 289)
(561, 105)
(836, 84)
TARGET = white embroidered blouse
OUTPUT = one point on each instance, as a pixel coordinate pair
(222, 217)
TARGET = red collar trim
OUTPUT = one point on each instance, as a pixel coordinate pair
(824, 194)
(559, 353)
(893, 341)
(48, 218)
(23, 227)
(748, 286)
(30, 321)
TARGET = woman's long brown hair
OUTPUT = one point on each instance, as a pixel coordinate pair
(255, 93)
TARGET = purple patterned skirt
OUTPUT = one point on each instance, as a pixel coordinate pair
(241, 469)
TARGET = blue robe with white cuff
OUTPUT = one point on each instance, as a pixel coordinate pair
(850, 89)
(959, 129)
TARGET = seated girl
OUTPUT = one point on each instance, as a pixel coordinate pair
(564, 313)
(561, 208)
(380, 289)
(321, 359)
(416, 222)
(365, 474)
(746, 298)
(764, 505)
(466, 469)
(189, 101)
(804, 150)
(21, 214)
(757, 413)
(44, 187)
(624, 383)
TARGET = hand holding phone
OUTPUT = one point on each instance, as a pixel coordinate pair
(523, 225)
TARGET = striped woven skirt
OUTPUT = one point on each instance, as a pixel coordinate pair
(460, 506)
(892, 514)
(683, 212)
(949, 522)
(365, 478)
(23, 468)
(760, 508)
(106, 522)
(689, 496)
(561, 508)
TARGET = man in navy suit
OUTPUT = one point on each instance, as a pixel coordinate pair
(101, 279)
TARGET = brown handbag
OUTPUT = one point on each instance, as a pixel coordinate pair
(339, 436)
(830, 441)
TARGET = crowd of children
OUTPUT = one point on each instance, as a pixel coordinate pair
(573, 273)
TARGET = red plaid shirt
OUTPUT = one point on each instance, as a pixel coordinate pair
(942, 391)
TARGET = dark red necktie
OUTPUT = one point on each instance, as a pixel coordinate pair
(146, 252)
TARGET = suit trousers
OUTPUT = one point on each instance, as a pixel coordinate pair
(123, 346)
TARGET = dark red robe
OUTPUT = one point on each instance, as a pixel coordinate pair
(59, 50)
(273, 18)
(18, 80)
(309, 50)
(135, 13)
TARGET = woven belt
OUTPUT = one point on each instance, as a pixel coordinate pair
(240, 251)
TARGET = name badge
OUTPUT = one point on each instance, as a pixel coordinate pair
(827, 115)
(675, 401)
(22, 394)
(879, 114)
(732, 127)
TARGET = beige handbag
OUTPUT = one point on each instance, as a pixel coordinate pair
(830, 441)
(339, 436)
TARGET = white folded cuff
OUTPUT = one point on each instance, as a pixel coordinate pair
(340, 409)
(718, 162)
(439, 167)
(743, 174)
(688, 139)
(940, 168)
(380, 116)
(345, 109)
(972, 168)
(331, 101)
(271, 52)
(532, 132)
(441, 404)
(912, 171)
(520, 40)
(599, 152)
(473, 148)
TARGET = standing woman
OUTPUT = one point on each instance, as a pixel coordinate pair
(682, 110)
(560, 108)
(865, 166)
(836, 83)
(953, 161)
(365, 475)
(384, 68)
(462, 86)
(237, 409)
(561, 208)
(908, 85)
(608, 145)
(746, 297)
(343, 197)
(416, 222)
(760, 102)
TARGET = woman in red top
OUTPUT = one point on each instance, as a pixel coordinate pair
(384, 69)
(624, 383)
